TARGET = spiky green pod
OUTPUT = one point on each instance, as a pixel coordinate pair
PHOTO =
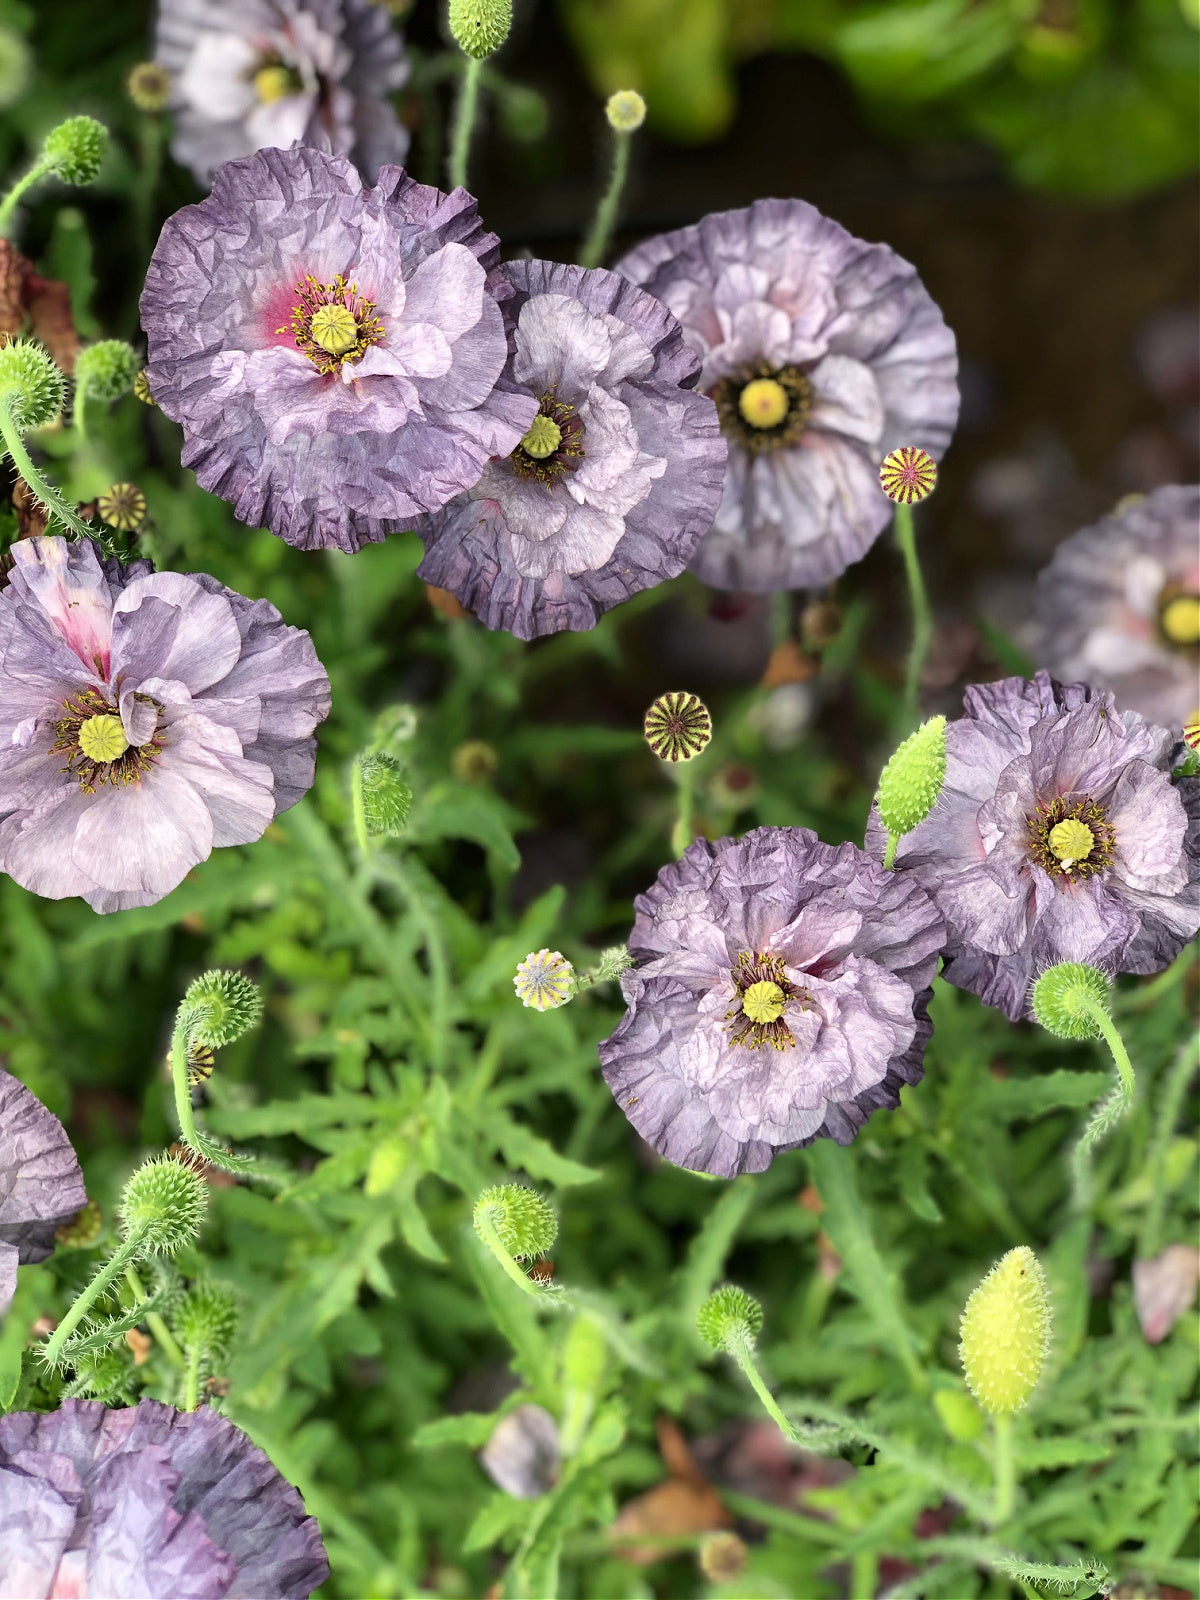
(75, 149)
(207, 1318)
(220, 1006)
(387, 799)
(480, 27)
(162, 1206)
(1005, 1333)
(913, 778)
(31, 386)
(107, 369)
(1067, 997)
(729, 1317)
(524, 1223)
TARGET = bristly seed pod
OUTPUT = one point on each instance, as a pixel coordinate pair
(1067, 997)
(913, 778)
(729, 1317)
(545, 980)
(524, 1223)
(480, 27)
(220, 1007)
(163, 1206)
(908, 475)
(1005, 1333)
(677, 726)
(75, 149)
(387, 799)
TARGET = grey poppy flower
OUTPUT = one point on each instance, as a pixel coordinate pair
(523, 1456)
(145, 718)
(617, 478)
(1058, 836)
(249, 74)
(779, 997)
(148, 1501)
(1119, 605)
(41, 1185)
(334, 354)
(823, 354)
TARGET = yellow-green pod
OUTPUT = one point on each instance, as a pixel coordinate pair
(1005, 1333)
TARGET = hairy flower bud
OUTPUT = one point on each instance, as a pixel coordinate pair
(220, 1006)
(75, 149)
(524, 1223)
(545, 980)
(913, 778)
(386, 798)
(31, 386)
(480, 27)
(1067, 997)
(207, 1318)
(729, 1317)
(677, 726)
(107, 370)
(163, 1206)
(612, 963)
(625, 110)
(1005, 1332)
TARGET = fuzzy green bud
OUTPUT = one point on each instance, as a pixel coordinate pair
(625, 110)
(1067, 997)
(612, 963)
(729, 1318)
(1005, 1333)
(220, 1006)
(107, 370)
(524, 1223)
(31, 386)
(207, 1318)
(82, 1230)
(103, 1374)
(163, 1206)
(480, 27)
(75, 149)
(387, 799)
(913, 778)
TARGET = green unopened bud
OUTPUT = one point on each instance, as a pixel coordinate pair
(149, 86)
(103, 1374)
(207, 1318)
(75, 149)
(106, 370)
(1005, 1333)
(913, 778)
(677, 726)
(625, 110)
(612, 963)
(480, 27)
(545, 980)
(524, 1223)
(387, 799)
(220, 1006)
(82, 1230)
(1067, 997)
(163, 1206)
(31, 386)
(730, 1318)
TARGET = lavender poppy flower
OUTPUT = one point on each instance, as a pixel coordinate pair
(249, 74)
(333, 353)
(1119, 605)
(1058, 836)
(616, 480)
(41, 1185)
(523, 1456)
(779, 997)
(145, 718)
(823, 354)
(149, 1501)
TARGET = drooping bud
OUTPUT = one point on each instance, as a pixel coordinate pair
(1005, 1333)
(480, 27)
(612, 963)
(524, 1223)
(729, 1318)
(1066, 999)
(207, 1318)
(908, 475)
(122, 506)
(75, 149)
(163, 1205)
(31, 386)
(220, 1006)
(545, 980)
(387, 798)
(149, 86)
(677, 726)
(913, 778)
(625, 110)
(106, 370)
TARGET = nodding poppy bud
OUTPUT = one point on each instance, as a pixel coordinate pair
(524, 1223)
(730, 1318)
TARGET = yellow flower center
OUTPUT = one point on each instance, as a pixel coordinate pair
(1071, 841)
(335, 328)
(763, 403)
(273, 83)
(1180, 619)
(102, 738)
(764, 1002)
(543, 438)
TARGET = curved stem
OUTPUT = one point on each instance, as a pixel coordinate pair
(15, 446)
(358, 809)
(9, 204)
(595, 246)
(1004, 1466)
(162, 1334)
(79, 412)
(1116, 1044)
(465, 113)
(922, 616)
(121, 1258)
(740, 1350)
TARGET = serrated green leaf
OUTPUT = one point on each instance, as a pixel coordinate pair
(496, 1518)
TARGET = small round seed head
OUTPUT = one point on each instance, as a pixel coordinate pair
(1065, 998)
(729, 1317)
(625, 110)
(123, 506)
(474, 761)
(545, 980)
(207, 1318)
(141, 389)
(163, 1205)
(525, 1223)
(913, 778)
(221, 1006)
(76, 148)
(722, 1557)
(480, 27)
(908, 475)
(1191, 732)
(30, 384)
(107, 369)
(1005, 1333)
(677, 726)
(149, 86)
(387, 798)
(81, 1230)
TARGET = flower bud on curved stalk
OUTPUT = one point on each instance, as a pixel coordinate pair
(72, 151)
(730, 1320)
(515, 1224)
(103, 371)
(625, 112)
(31, 395)
(479, 28)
